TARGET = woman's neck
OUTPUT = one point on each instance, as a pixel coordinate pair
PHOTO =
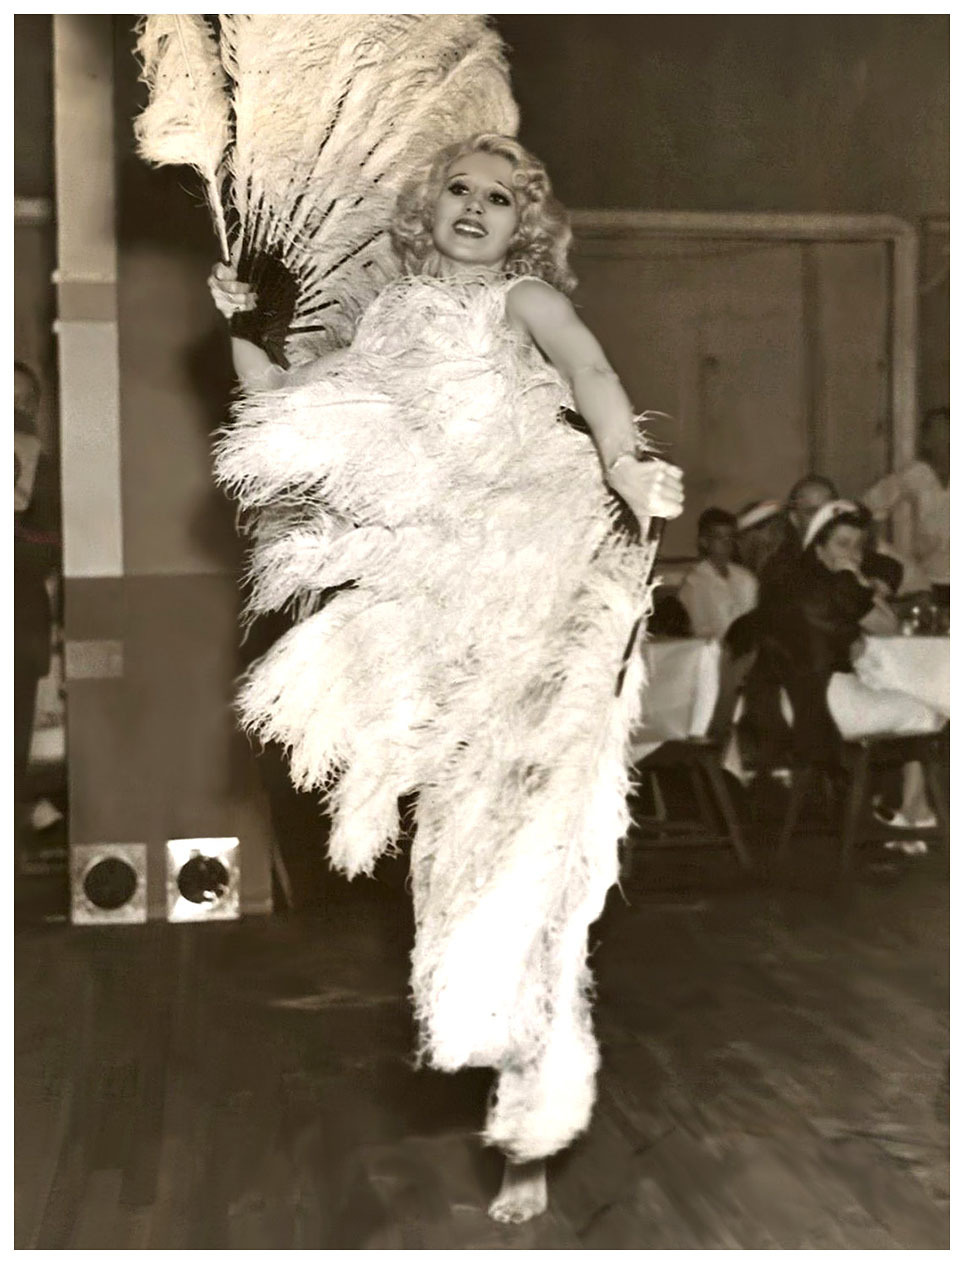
(461, 271)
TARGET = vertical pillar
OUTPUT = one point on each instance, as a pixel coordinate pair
(150, 633)
(90, 423)
(86, 279)
(904, 368)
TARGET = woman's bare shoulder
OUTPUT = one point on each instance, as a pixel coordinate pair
(530, 301)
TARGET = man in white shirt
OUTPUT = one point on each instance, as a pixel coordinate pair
(924, 486)
(717, 590)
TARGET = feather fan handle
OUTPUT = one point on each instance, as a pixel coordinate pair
(186, 121)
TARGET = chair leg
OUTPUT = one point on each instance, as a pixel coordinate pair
(700, 795)
(830, 798)
(659, 818)
(801, 778)
(856, 803)
(935, 794)
(659, 806)
(715, 776)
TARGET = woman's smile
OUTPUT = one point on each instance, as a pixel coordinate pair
(469, 228)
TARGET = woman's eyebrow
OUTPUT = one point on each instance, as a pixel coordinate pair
(456, 175)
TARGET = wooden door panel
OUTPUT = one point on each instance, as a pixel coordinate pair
(710, 332)
(771, 356)
(851, 388)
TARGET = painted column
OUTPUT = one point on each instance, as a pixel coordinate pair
(150, 617)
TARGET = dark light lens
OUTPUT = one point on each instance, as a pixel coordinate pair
(110, 883)
(203, 880)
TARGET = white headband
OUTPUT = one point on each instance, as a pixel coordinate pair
(758, 513)
(826, 514)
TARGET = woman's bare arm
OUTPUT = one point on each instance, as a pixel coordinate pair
(650, 488)
(253, 366)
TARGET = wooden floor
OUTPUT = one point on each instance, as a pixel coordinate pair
(775, 1076)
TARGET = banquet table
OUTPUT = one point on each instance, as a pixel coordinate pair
(683, 679)
(679, 692)
(920, 666)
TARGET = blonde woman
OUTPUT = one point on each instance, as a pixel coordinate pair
(480, 652)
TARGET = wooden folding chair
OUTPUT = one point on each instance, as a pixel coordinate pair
(715, 822)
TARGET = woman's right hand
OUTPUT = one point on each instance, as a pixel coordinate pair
(652, 488)
(230, 295)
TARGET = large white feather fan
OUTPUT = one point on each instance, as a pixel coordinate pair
(329, 115)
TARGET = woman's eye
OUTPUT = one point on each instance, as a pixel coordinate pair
(500, 199)
(458, 188)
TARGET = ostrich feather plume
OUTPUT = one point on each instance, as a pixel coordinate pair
(333, 113)
(187, 119)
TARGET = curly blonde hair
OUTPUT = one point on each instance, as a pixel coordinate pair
(540, 245)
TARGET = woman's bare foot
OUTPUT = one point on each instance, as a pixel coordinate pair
(522, 1194)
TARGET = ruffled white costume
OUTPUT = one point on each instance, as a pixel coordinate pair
(475, 660)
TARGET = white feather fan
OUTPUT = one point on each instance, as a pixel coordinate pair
(332, 113)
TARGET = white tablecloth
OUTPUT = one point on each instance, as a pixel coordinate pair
(920, 666)
(680, 692)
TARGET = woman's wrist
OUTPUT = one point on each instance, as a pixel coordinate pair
(611, 469)
(622, 463)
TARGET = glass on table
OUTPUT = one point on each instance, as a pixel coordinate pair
(919, 615)
(942, 600)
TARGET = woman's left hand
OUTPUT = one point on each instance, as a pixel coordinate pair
(652, 489)
(881, 620)
(230, 295)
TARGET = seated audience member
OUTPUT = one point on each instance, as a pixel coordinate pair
(761, 529)
(814, 634)
(804, 500)
(806, 497)
(884, 571)
(717, 590)
(36, 554)
(880, 565)
(668, 617)
(895, 573)
(763, 729)
(924, 485)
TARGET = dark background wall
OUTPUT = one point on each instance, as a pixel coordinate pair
(707, 112)
(731, 112)
(175, 365)
(33, 106)
(738, 113)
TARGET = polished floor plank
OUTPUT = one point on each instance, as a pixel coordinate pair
(775, 1075)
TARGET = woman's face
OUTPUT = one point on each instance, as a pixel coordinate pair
(475, 215)
(843, 549)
